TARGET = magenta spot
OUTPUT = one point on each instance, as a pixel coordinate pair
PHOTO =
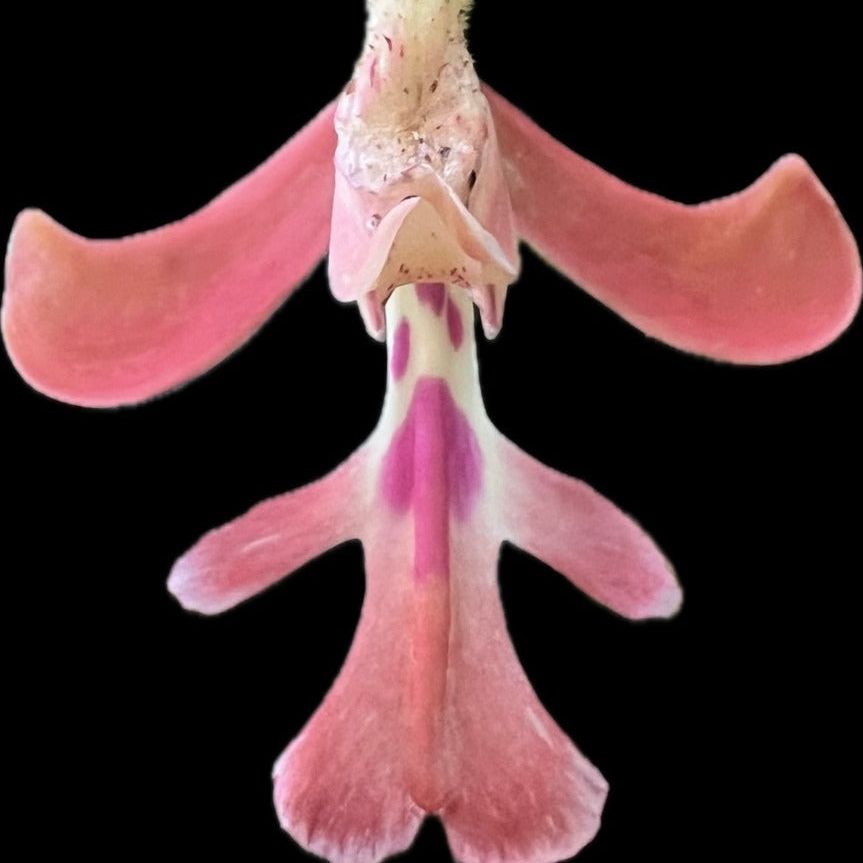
(434, 467)
(432, 294)
(401, 349)
(454, 325)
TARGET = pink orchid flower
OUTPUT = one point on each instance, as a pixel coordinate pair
(436, 179)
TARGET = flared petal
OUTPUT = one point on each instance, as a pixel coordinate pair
(519, 790)
(575, 530)
(763, 276)
(341, 788)
(111, 322)
(247, 555)
(432, 714)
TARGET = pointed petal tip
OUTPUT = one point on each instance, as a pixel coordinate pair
(372, 314)
(32, 241)
(27, 219)
(491, 332)
(796, 164)
(793, 172)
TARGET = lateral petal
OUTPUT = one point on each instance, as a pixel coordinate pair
(245, 556)
(769, 274)
(575, 530)
(102, 323)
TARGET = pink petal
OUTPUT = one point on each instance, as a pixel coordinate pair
(519, 790)
(767, 275)
(245, 556)
(110, 322)
(432, 714)
(602, 551)
(341, 788)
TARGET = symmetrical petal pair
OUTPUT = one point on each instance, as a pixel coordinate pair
(420, 181)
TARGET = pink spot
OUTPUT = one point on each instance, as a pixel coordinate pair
(432, 294)
(434, 467)
(401, 349)
(454, 325)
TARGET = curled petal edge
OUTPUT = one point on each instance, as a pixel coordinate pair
(103, 323)
(766, 275)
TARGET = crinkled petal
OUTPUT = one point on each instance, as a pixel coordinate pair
(111, 322)
(763, 276)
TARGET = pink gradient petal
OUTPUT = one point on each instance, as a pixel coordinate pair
(111, 322)
(341, 788)
(433, 714)
(572, 528)
(519, 790)
(245, 556)
(763, 276)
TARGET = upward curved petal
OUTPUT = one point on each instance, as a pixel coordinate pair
(602, 551)
(110, 322)
(764, 276)
(239, 559)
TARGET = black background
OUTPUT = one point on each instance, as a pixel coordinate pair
(138, 728)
